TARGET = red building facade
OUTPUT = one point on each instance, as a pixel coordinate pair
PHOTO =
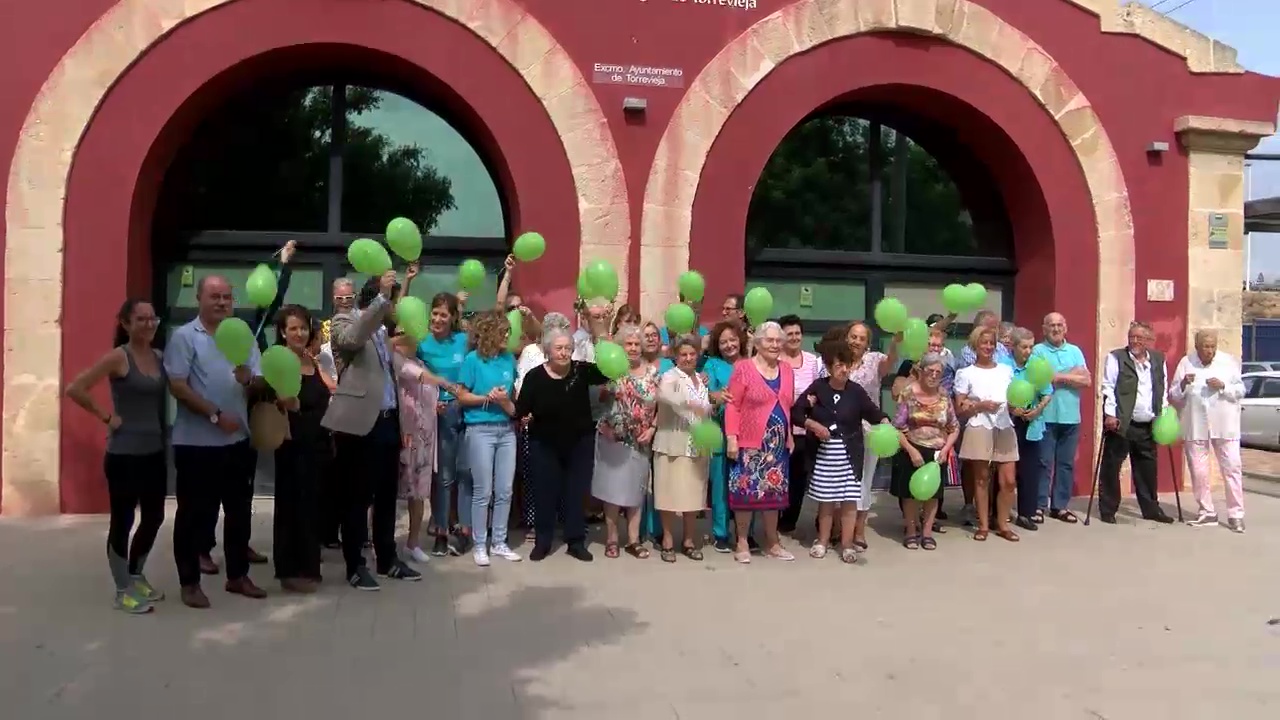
(633, 131)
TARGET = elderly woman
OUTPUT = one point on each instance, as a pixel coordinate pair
(868, 370)
(832, 411)
(1207, 389)
(1028, 423)
(679, 472)
(758, 440)
(989, 438)
(623, 440)
(555, 403)
(531, 357)
(486, 386)
(928, 426)
(724, 350)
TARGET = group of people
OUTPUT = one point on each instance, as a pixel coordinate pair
(477, 425)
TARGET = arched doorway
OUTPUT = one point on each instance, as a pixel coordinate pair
(180, 77)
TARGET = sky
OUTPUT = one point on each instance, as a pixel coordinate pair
(1252, 27)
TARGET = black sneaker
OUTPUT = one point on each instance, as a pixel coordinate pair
(362, 579)
(580, 552)
(441, 546)
(723, 546)
(459, 544)
(540, 553)
(400, 571)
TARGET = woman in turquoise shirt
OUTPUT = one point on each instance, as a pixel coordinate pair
(486, 391)
(1029, 424)
(442, 352)
(727, 341)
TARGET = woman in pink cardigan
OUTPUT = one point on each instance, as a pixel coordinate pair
(758, 440)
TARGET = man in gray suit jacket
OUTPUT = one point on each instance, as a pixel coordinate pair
(364, 417)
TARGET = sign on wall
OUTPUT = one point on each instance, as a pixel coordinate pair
(732, 4)
(639, 75)
(1218, 237)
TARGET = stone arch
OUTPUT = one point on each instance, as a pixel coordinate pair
(61, 115)
(726, 81)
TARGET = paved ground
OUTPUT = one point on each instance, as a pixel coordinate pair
(1261, 464)
(1128, 621)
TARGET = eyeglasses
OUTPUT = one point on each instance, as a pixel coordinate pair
(931, 372)
(343, 298)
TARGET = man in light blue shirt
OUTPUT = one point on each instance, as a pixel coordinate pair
(1061, 417)
(215, 463)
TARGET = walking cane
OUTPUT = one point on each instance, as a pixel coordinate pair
(1177, 494)
(1097, 473)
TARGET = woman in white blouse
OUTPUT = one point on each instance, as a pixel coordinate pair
(1207, 389)
(990, 443)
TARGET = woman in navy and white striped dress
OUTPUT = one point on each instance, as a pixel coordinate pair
(832, 411)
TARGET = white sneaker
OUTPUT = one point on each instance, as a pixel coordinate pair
(504, 552)
(481, 556)
(1204, 518)
(418, 556)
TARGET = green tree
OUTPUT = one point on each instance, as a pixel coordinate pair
(815, 193)
(261, 162)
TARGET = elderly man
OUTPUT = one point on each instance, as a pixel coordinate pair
(1135, 389)
(211, 452)
(1061, 419)
(594, 326)
(1207, 387)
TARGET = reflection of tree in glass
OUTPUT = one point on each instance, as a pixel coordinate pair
(814, 193)
(261, 162)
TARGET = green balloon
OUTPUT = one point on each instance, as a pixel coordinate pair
(529, 247)
(470, 274)
(516, 320)
(413, 317)
(282, 371)
(891, 315)
(977, 295)
(234, 340)
(1039, 372)
(915, 336)
(404, 238)
(758, 304)
(1021, 393)
(925, 481)
(706, 436)
(692, 286)
(680, 319)
(603, 280)
(584, 286)
(368, 257)
(883, 440)
(955, 298)
(1166, 429)
(261, 286)
(611, 359)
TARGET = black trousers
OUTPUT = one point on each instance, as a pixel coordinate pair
(296, 536)
(368, 470)
(135, 483)
(561, 478)
(1139, 447)
(1029, 470)
(209, 479)
(798, 484)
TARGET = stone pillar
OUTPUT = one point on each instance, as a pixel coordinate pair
(1215, 228)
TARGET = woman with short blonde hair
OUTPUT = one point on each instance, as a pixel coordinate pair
(989, 439)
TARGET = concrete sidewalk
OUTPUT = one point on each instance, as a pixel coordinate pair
(1133, 621)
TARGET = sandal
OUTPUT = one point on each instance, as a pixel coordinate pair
(742, 558)
(692, 553)
(1009, 535)
(980, 535)
(938, 529)
(636, 550)
(860, 545)
(849, 556)
(928, 543)
(668, 555)
(911, 542)
(1038, 518)
(1065, 516)
(611, 550)
(780, 553)
(818, 551)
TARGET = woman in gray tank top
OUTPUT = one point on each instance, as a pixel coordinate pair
(135, 464)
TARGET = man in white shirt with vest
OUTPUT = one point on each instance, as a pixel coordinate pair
(1135, 389)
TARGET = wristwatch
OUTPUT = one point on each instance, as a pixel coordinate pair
(214, 418)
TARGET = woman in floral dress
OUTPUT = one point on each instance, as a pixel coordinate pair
(418, 448)
(623, 440)
(758, 441)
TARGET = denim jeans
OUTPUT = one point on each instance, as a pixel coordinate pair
(491, 453)
(1058, 465)
(450, 472)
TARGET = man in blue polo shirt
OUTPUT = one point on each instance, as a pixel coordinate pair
(1061, 417)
